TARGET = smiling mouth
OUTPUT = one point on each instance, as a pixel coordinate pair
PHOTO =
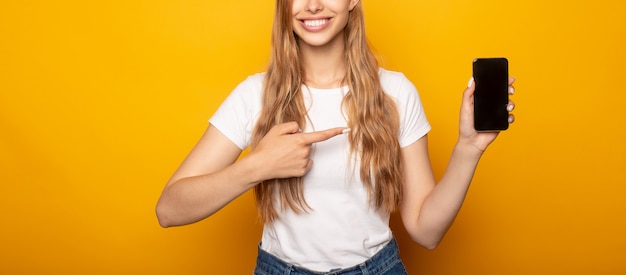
(315, 23)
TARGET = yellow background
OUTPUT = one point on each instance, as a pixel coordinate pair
(101, 100)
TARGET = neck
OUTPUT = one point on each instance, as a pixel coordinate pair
(324, 66)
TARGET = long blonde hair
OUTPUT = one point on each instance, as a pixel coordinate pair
(372, 115)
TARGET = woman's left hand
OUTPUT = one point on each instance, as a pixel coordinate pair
(467, 133)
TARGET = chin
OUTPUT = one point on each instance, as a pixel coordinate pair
(318, 41)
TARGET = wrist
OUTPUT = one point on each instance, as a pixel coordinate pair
(468, 148)
(251, 170)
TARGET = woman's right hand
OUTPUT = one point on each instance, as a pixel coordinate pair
(284, 152)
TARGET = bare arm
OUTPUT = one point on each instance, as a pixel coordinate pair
(206, 181)
(429, 208)
(210, 177)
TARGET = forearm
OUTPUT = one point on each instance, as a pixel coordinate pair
(191, 199)
(442, 205)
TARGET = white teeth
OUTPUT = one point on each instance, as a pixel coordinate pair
(315, 23)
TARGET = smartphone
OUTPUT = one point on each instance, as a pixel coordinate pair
(491, 94)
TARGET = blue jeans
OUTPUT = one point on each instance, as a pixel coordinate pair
(386, 262)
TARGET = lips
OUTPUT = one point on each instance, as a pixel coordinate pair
(315, 24)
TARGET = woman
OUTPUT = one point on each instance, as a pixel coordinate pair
(337, 144)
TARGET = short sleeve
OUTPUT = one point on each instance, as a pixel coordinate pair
(413, 121)
(236, 116)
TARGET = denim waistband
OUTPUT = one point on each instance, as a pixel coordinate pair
(385, 261)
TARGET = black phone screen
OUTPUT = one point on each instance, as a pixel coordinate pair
(491, 77)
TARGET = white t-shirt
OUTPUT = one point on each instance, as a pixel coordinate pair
(343, 228)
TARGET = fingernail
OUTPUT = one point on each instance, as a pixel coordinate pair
(469, 83)
(345, 131)
(512, 90)
(509, 107)
(510, 119)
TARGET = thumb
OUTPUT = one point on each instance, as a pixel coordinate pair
(471, 86)
(468, 94)
(286, 128)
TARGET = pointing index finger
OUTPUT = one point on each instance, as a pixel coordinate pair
(313, 137)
